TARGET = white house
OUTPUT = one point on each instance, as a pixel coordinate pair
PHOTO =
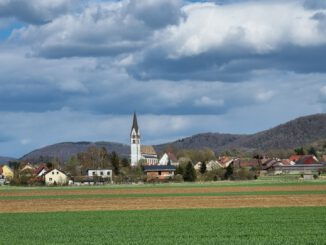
(55, 177)
(138, 152)
(104, 173)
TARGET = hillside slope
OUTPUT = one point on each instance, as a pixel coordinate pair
(295, 133)
(63, 151)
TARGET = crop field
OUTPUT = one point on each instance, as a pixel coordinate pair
(297, 225)
(239, 212)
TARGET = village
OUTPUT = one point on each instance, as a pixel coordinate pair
(145, 166)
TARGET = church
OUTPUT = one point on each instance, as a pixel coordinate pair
(138, 151)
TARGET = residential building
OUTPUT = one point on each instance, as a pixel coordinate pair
(103, 174)
(168, 158)
(7, 172)
(55, 177)
(41, 170)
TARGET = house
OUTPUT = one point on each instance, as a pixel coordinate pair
(7, 172)
(295, 158)
(105, 175)
(307, 159)
(138, 152)
(168, 158)
(159, 172)
(225, 161)
(211, 165)
(41, 170)
(27, 168)
(55, 177)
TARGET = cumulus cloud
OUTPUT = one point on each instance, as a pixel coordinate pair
(101, 29)
(226, 42)
(185, 66)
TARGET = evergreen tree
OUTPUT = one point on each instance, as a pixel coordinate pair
(114, 159)
(189, 173)
(179, 170)
(299, 151)
(203, 168)
(125, 162)
(229, 172)
(312, 151)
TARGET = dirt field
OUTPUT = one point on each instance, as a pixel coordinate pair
(69, 192)
(53, 205)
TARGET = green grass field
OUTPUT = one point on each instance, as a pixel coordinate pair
(304, 225)
(267, 182)
(243, 193)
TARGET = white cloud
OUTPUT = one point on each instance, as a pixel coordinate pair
(255, 27)
(207, 101)
(264, 96)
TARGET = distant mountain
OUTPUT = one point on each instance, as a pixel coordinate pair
(296, 133)
(63, 151)
(4, 160)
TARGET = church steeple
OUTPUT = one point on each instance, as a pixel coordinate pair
(135, 124)
(135, 154)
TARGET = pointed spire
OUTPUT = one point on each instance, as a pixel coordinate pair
(135, 123)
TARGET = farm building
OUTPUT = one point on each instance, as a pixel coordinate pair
(56, 177)
(159, 172)
(299, 169)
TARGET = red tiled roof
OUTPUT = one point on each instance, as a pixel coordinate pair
(253, 163)
(295, 158)
(1, 171)
(40, 168)
(307, 159)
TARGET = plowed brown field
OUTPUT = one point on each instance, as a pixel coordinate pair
(87, 204)
(69, 192)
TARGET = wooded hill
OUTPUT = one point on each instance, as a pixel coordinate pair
(296, 133)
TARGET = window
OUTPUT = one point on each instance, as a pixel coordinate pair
(133, 141)
(94, 173)
(50, 179)
(57, 172)
(101, 173)
(159, 172)
(52, 172)
(108, 173)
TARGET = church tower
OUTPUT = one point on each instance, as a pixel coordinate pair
(135, 142)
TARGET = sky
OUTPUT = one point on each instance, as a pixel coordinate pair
(76, 70)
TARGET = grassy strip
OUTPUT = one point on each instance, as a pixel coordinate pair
(294, 225)
(143, 195)
(174, 185)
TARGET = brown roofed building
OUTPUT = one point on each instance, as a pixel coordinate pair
(149, 154)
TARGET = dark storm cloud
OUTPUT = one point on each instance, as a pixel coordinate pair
(233, 67)
(75, 50)
(34, 11)
(156, 14)
(315, 4)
